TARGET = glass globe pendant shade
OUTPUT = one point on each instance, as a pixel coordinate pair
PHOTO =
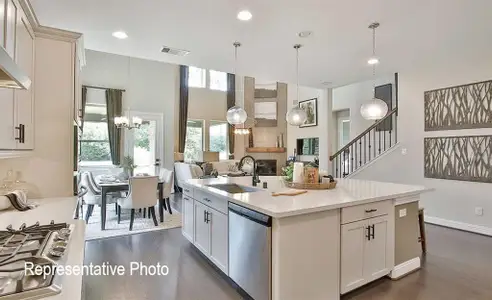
(375, 109)
(236, 115)
(296, 116)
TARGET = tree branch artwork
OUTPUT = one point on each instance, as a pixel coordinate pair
(461, 107)
(464, 158)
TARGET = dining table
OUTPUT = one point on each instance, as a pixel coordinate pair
(124, 186)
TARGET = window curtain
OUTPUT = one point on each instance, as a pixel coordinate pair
(183, 106)
(231, 101)
(114, 109)
(84, 102)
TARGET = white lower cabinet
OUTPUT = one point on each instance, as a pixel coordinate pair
(188, 208)
(219, 253)
(364, 252)
(207, 229)
(202, 229)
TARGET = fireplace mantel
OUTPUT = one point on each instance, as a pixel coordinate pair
(266, 150)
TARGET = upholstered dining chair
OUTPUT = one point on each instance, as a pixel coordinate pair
(141, 195)
(167, 177)
(93, 195)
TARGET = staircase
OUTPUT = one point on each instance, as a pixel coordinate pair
(367, 146)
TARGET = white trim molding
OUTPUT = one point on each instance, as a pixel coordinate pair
(459, 225)
(405, 268)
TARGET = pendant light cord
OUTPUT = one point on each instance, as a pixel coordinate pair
(297, 46)
(374, 55)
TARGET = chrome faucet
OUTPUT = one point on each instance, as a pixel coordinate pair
(256, 177)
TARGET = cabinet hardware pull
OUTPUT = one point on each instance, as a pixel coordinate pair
(204, 216)
(368, 235)
(207, 214)
(206, 199)
(20, 133)
(23, 133)
(372, 235)
(187, 190)
(371, 210)
(186, 198)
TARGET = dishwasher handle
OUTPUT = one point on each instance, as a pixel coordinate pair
(251, 215)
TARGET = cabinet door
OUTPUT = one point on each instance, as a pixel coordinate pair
(7, 131)
(219, 240)
(376, 260)
(202, 229)
(11, 27)
(188, 217)
(24, 100)
(353, 240)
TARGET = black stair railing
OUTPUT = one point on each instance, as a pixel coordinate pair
(368, 145)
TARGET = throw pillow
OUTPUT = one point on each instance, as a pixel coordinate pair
(207, 168)
(233, 168)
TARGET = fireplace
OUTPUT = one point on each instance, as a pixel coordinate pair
(266, 167)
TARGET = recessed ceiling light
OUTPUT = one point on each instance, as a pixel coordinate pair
(304, 34)
(244, 15)
(373, 61)
(120, 35)
(326, 83)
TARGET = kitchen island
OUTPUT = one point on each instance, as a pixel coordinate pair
(316, 245)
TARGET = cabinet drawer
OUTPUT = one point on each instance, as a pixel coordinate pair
(211, 201)
(365, 211)
(188, 191)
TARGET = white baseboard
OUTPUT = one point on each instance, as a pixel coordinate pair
(405, 268)
(459, 225)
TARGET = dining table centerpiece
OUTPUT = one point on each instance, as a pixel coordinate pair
(128, 165)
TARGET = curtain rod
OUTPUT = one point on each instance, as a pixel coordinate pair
(101, 88)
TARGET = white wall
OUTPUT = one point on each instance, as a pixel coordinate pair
(151, 87)
(452, 200)
(322, 131)
(352, 96)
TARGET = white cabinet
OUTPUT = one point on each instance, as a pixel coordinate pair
(188, 208)
(365, 252)
(202, 229)
(219, 239)
(17, 106)
(207, 228)
(24, 99)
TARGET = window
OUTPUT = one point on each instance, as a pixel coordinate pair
(218, 138)
(218, 80)
(194, 140)
(94, 143)
(196, 77)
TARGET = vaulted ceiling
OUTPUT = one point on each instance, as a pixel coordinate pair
(416, 32)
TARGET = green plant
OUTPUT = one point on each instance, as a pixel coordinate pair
(288, 172)
(128, 164)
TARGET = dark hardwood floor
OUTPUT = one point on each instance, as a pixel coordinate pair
(458, 266)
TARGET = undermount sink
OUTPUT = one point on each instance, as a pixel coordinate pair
(233, 188)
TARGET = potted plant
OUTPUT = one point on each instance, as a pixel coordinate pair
(128, 165)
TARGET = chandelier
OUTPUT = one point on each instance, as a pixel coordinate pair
(296, 116)
(124, 122)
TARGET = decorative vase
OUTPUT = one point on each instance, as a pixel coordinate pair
(281, 140)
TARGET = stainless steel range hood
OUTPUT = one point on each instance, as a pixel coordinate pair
(11, 76)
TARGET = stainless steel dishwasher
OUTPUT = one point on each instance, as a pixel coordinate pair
(250, 251)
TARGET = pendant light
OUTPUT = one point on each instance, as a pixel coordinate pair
(375, 109)
(236, 115)
(296, 116)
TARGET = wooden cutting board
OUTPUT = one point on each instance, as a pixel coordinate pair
(289, 193)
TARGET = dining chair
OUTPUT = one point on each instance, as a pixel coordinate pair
(167, 177)
(79, 210)
(141, 195)
(93, 196)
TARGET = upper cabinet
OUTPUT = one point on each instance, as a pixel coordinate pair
(11, 18)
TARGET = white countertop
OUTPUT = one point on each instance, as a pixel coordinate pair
(60, 210)
(349, 192)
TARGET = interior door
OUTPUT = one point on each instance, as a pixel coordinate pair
(376, 253)
(354, 236)
(202, 229)
(219, 239)
(188, 217)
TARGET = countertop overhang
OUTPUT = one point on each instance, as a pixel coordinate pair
(349, 192)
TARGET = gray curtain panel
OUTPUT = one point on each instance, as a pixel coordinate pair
(114, 108)
(231, 101)
(84, 102)
(183, 106)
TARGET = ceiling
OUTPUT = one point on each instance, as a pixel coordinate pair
(416, 32)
